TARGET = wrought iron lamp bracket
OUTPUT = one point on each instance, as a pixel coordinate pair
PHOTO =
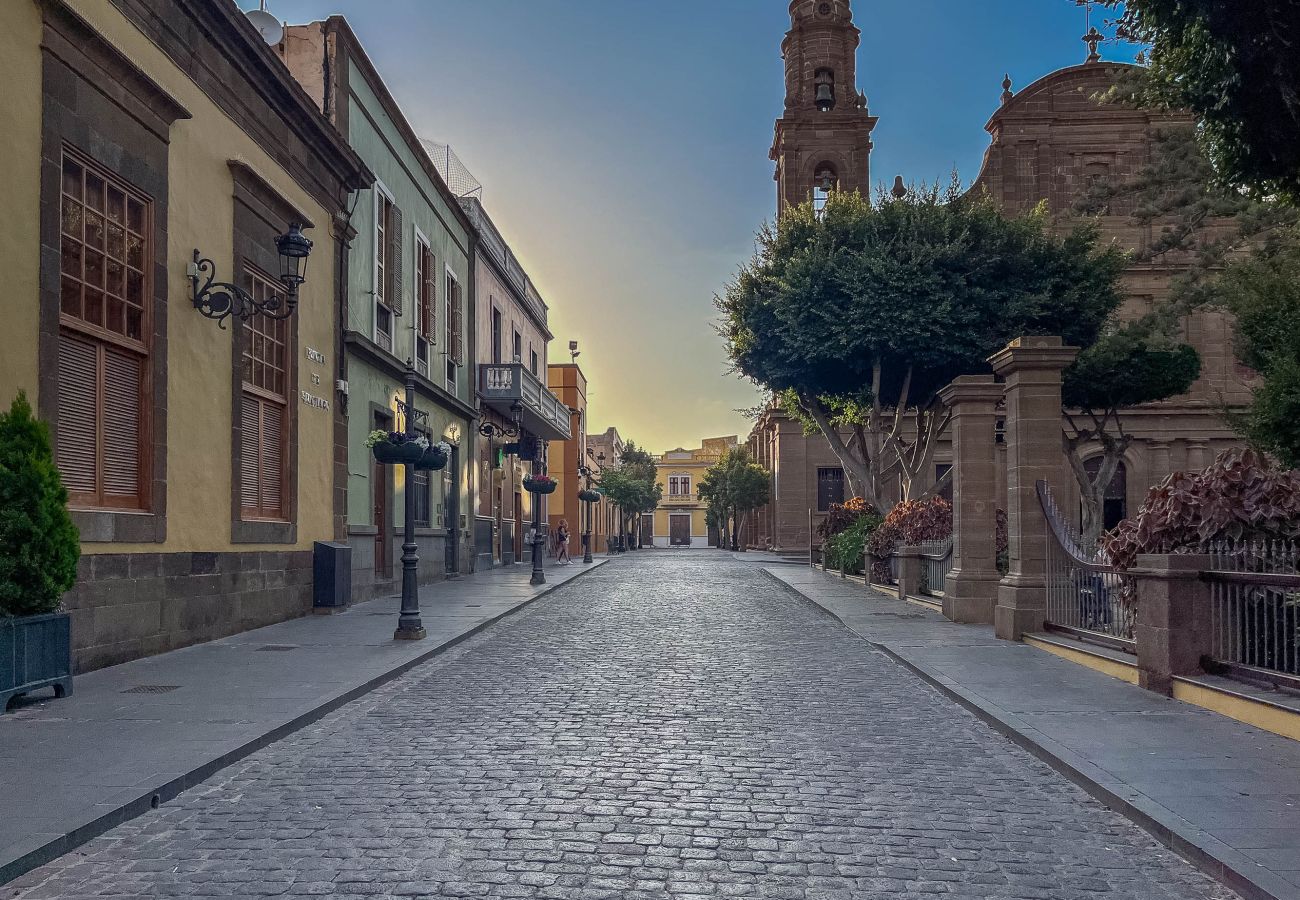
(219, 300)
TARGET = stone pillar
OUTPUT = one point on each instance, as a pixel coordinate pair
(970, 591)
(1173, 624)
(1031, 367)
(909, 572)
(1198, 455)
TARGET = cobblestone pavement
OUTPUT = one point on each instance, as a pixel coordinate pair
(673, 725)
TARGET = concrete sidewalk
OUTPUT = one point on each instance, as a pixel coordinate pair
(1223, 794)
(134, 735)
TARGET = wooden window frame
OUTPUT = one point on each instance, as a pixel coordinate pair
(426, 295)
(264, 395)
(260, 214)
(102, 337)
(382, 287)
(451, 292)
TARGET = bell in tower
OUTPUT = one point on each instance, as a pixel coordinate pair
(825, 85)
(826, 125)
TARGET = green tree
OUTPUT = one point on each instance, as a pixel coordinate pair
(859, 314)
(632, 485)
(1130, 364)
(733, 487)
(39, 545)
(1263, 292)
(1237, 67)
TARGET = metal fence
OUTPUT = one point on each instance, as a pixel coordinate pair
(936, 561)
(1255, 610)
(1085, 595)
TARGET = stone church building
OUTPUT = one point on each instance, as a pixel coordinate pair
(1049, 141)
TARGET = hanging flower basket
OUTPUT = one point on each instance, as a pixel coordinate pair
(395, 448)
(540, 484)
(589, 496)
(435, 457)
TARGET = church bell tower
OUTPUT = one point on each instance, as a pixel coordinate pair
(823, 141)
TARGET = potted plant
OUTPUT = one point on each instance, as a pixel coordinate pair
(435, 457)
(39, 548)
(589, 496)
(396, 447)
(540, 484)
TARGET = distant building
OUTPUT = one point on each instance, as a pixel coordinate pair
(680, 520)
(516, 409)
(1048, 142)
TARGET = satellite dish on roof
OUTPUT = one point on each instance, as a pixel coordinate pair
(266, 24)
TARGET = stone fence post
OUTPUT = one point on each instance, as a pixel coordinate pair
(1173, 617)
(1031, 367)
(909, 572)
(970, 591)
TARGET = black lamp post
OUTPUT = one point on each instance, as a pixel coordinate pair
(539, 538)
(585, 472)
(409, 625)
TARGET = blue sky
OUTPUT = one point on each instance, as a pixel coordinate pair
(622, 145)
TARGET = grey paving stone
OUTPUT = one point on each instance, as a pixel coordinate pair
(672, 725)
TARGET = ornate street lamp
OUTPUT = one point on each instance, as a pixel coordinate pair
(586, 472)
(409, 625)
(539, 538)
(219, 299)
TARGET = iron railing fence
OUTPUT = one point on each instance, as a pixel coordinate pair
(1255, 610)
(936, 561)
(1084, 595)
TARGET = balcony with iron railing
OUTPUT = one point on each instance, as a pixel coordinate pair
(513, 391)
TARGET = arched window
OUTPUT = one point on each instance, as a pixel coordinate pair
(825, 180)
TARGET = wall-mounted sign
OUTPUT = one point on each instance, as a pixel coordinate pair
(316, 356)
(313, 400)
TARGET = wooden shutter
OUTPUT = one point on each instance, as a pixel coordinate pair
(261, 458)
(272, 471)
(428, 309)
(250, 439)
(78, 445)
(457, 348)
(121, 427)
(394, 235)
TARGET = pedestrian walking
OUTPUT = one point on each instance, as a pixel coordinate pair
(562, 544)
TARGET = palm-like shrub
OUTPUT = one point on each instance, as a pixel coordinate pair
(39, 545)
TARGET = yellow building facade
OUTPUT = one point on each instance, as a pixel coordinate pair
(680, 521)
(200, 455)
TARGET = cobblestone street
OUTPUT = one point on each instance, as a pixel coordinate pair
(674, 724)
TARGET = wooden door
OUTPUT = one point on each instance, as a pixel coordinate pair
(647, 530)
(679, 534)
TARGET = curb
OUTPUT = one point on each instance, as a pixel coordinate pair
(154, 797)
(1207, 853)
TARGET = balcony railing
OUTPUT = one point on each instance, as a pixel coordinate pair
(680, 498)
(503, 385)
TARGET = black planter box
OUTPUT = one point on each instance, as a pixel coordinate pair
(35, 652)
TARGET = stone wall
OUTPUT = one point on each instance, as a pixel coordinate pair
(126, 606)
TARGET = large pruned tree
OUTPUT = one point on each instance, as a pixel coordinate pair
(1237, 66)
(733, 487)
(1130, 364)
(859, 314)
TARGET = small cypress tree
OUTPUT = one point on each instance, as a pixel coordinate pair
(39, 545)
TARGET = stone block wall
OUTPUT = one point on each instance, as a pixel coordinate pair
(129, 605)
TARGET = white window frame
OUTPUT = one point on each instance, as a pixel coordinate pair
(452, 371)
(375, 288)
(420, 238)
